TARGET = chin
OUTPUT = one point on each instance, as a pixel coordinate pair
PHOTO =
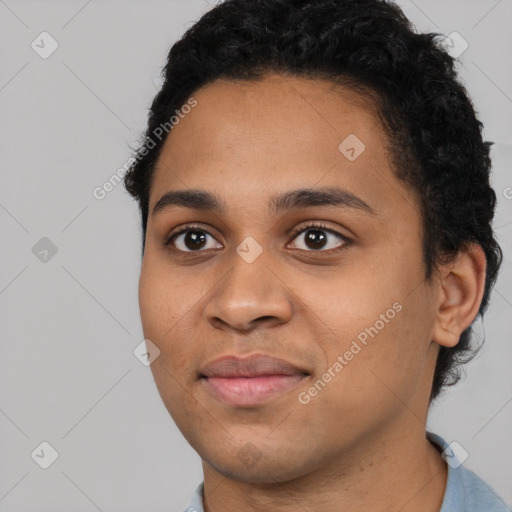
(257, 469)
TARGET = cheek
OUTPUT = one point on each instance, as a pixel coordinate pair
(380, 330)
(163, 309)
(383, 364)
(160, 298)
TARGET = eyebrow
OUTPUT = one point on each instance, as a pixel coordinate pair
(198, 199)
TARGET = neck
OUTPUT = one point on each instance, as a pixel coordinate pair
(393, 469)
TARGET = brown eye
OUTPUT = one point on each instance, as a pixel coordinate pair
(192, 239)
(319, 238)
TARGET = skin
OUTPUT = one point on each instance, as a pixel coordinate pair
(360, 442)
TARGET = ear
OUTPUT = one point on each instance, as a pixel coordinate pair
(462, 285)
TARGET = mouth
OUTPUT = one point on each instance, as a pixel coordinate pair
(250, 381)
(249, 391)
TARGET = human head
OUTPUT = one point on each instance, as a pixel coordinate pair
(367, 46)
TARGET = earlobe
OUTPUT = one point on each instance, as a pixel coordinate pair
(462, 285)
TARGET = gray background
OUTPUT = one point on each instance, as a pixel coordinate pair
(69, 325)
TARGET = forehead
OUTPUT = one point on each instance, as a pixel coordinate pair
(270, 134)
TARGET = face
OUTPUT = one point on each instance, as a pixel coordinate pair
(330, 280)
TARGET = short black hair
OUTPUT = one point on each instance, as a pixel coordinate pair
(434, 136)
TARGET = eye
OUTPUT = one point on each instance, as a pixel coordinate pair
(317, 238)
(191, 239)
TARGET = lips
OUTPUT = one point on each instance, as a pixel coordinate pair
(250, 381)
(256, 365)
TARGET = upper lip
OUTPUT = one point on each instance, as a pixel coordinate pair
(254, 365)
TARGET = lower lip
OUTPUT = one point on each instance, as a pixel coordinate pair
(250, 390)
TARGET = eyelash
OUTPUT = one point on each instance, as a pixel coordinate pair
(313, 225)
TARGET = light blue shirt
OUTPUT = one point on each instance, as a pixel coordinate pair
(465, 492)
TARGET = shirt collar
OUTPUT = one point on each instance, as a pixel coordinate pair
(453, 500)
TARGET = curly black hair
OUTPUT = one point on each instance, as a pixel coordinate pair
(371, 47)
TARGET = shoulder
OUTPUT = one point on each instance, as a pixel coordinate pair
(196, 502)
(478, 495)
(465, 491)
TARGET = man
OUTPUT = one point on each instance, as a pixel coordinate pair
(317, 242)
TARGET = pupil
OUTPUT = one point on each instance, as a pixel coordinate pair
(315, 236)
(195, 239)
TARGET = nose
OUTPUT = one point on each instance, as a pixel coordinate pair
(249, 295)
